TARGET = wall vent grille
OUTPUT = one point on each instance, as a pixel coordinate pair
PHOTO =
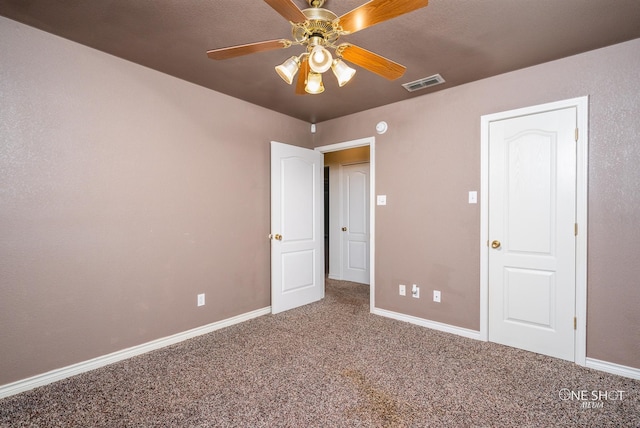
(423, 83)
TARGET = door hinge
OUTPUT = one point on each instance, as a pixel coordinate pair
(575, 229)
(576, 135)
(575, 323)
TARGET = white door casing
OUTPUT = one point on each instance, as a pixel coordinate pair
(371, 142)
(533, 195)
(297, 227)
(355, 222)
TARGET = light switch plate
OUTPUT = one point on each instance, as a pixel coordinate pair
(382, 200)
(473, 197)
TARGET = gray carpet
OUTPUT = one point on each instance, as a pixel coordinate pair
(331, 364)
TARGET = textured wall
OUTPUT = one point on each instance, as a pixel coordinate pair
(123, 194)
(430, 158)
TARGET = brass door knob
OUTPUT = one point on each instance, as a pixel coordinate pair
(344, 229)
(495, 244)
(277, 237)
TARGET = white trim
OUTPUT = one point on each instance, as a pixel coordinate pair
(617, 369)
(582, 199)
(484, 228)
(95, 363)
(341, 215)
(582, 105)
(371, 142)
(434, 325)
(367, 141)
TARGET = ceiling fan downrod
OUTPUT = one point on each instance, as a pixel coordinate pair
(316, 3)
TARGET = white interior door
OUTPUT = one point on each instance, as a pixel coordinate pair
(297, 226)
(532, 217)
(355, 222)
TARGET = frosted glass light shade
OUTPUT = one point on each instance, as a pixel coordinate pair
(314, 83)
(288, 69)
(343, 72)
(320, 59)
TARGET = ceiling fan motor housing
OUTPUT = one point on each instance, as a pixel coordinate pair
(319, 23)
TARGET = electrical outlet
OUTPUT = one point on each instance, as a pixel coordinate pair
(402, 289)
(436, 296)
(201, 299)
(415, 291)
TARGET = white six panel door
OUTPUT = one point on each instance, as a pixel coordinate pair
(532, 205)
(355, 220)
(297, 226)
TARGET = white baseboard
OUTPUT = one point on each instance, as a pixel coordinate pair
(613, 368)
(460, 331)
(85, 366)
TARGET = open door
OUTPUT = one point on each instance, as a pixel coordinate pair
(297, 226)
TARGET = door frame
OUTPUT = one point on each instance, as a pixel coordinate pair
(582, 105)
(371, 142)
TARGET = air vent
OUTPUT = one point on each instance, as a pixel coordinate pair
(423, 83)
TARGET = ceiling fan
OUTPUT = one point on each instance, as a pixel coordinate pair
(317, 29)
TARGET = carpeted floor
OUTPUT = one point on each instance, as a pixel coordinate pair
(332, 364)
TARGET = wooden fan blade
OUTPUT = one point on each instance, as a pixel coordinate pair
(373, 62)
(288, 9)
(377, 11)
(302, 77)
(250, 48)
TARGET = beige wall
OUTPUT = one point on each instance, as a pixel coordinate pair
(430, 158)
(123, 194)
(347, 156)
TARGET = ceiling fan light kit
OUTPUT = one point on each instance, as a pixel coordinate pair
(288, 69)
(314, 83)
(320, 59)
(342, 71)
(318, 29)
